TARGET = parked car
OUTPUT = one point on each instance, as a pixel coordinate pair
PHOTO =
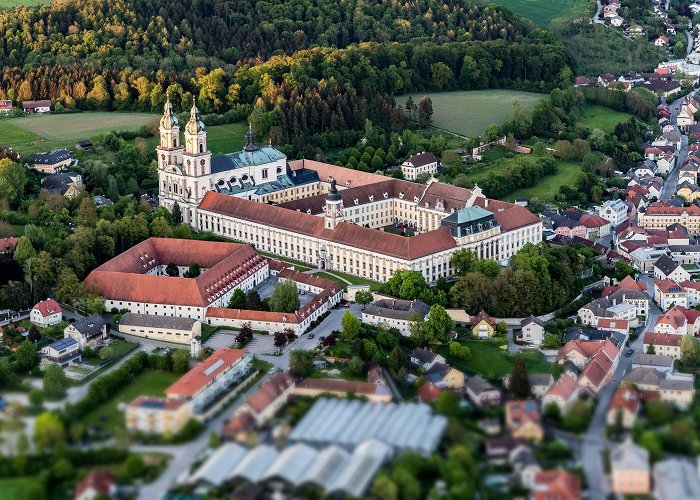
(346, 305)
(272, 370)
(629, 352)
(311, 335)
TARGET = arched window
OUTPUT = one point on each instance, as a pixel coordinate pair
(174, 143)
(201, 148)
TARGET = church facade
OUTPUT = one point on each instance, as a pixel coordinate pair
(187, 172)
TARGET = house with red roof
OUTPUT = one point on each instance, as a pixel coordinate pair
(562, 393)
(97, 484)
(664, 344)
(524, 420)
(556, 485)
(596, 361)
(668, 293)
(8, 245)
(46, 313)
(624, 406)
(679, 320)
(428, 392)
(270, 397)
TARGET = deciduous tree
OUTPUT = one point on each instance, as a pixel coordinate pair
(284, 297)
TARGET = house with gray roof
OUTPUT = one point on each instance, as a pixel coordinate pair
(481, 392)
(532, 330)
(395, 313)
(165, 328)
(655, 361)
(676, 478)
(89, 331)
(629, 466)
(666, 268)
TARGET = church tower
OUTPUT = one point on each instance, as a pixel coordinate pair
(170, 149)
(196, 159)
(334, 207)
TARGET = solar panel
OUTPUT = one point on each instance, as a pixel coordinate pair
(63, 343)
(217, 364)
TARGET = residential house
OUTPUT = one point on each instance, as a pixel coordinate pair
(677, 388)
(668, 293)
(69, 184)
(656, 361)
(40, 106)
(624, 407)
(395, 313)
(643, 256)
(63, 352)
(540, 383)
(499, 451)
(269, 398)
(53, 162)
(154, 415)
(665, 268)
(481, 392)
(556, 485)
(84, 145)
(662, 87)
(419, 164)
(46, 313)
(532, 330)
(97, 484)
(523, 420)
(562, 394)
(687, 190)
(425, 359)
(587, 334)
(614, 211)
(315, 387)
(692, 292)
(483, 326)
(428, 392)
(685, 254)
(661, 41)
(666, 163)
(629, 469)
(614, 306)
(663, 343)
(679, 321)
(613, 325)
(445, 377)
(89, 331)
(239, 427)
(5, 106)
(165, 328)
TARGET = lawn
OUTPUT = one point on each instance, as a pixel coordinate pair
(469, 112)
(547, 188)
(16, 488)
(348, 278)
(543, 12)
(7, 4)
(108, 416)
(221, 139)
(605, 119)
(31, 134)
(493, 362)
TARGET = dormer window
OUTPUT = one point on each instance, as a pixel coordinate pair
(401, 196)
(386, 195)
(356, 201)
(371, 197)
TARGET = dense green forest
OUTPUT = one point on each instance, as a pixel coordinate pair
(184, 35)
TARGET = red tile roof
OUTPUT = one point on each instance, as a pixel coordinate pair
(668, 286)
(597, 369)
(250, 315)
(664, 339)
(242, 422)
(625, 398)
(192, 382)
(483, 316)
(663, 208)
(428, 392)
(611, 323)
(48, 307)
(96, 480)
(343, 176)
(8, 244)
(556, 485)
(124, 277)
(269, 392)
(341, 386)
(591, 221)
(564, 388)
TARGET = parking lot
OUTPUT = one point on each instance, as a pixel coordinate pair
(261, 344)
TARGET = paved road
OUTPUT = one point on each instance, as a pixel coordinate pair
(595, 19)
(594, 442)
(669, 187)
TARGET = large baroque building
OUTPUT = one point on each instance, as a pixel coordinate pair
(332, 217)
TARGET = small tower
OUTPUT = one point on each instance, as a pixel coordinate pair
(169, 149)
(196, 159)
(250, 140)
(334, 206)
(195, 346)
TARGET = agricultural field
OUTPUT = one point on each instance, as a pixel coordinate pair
(601, 117)
(17, 488)
(543, 12)
(469, 112)
(32, 134)
(7, 4)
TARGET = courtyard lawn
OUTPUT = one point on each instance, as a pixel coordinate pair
(491, 359)
(543, 12)
(346, 279)
(17, 488)
(108, 416)
(601, 117)
(469, 112)
(546, 189)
